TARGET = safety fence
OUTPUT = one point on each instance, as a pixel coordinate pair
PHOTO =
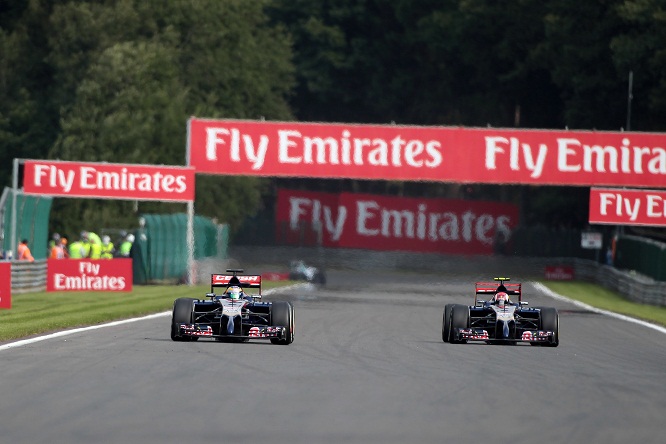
(31, 276)
(632, 285)
(28, 276)
(31, 222)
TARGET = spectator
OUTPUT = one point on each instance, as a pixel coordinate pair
(24, 252)
(85, 243)
(126, 246)
(59, 250)
(94, 244)
(107, 248)
(609, 256)
(54, 240)
(77, 250)
(65, 249)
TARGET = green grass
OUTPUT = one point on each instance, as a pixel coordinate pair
(600, 297)
(37, 313)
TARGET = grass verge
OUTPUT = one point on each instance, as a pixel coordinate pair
(38, 313)
(601, 297)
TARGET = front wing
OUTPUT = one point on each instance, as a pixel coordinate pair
(206, 331)
(479, 334)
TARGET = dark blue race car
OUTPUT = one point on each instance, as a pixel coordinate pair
(501, 317)
(232, 314)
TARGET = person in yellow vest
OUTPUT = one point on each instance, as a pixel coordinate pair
(95, 250)
(76, 250)
(85, 244)
(126, 246)
(107, 248)
(94, 244)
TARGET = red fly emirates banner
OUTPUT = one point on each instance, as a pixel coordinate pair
(441, 154)
(627, 207)
(395, 223)
(109, 180)
(89, 275)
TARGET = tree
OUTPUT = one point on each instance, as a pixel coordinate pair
(640, 47)
(136, 83)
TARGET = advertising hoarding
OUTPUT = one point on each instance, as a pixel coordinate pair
(375, 222)
(440, 154)
(101, 180)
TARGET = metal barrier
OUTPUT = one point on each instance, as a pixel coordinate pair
(28, 277)
(634, 286)
(31, 276)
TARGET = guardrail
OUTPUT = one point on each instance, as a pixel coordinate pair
(635, 287)
(31, 276)
(28, 277)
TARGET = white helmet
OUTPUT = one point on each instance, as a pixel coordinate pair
(130, 238)
(234, 292)
(106, 240)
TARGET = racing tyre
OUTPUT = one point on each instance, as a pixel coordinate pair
(282, 314)
(550, 320)
(320, 278)
(459, 319)
(446, 323)
(183, 310)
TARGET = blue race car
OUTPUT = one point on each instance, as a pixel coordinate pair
(503, 318)
(233, 314)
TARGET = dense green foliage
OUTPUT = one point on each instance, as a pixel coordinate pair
(116, 80)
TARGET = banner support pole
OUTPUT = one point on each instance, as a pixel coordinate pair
(13, 245)
(190, 242)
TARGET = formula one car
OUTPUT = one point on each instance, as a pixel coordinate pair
(500, 319)
(233, 315)
(298, 271)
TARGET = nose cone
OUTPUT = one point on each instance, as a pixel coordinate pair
(505, 329)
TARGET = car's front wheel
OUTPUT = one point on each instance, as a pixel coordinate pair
(446, 323)
(550, 321)
(183, 311)
(282, 315)
(459, 319)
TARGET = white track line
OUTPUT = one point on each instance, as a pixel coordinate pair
(114, 323)
(548, 292)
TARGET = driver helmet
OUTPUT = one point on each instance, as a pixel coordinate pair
(106, 240)
(501, 298)
(234, 292)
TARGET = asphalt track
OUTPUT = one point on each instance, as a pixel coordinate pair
(367, 366)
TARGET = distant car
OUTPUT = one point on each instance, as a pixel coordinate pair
(232, 314)
(503, 318)
(298, 271)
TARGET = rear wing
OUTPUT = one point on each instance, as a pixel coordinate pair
(490, 288)
(229, 280)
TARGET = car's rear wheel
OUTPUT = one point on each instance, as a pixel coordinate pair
(183, 311)
(446, 323)
(282, 315)
(459, 319)
(550, 321)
